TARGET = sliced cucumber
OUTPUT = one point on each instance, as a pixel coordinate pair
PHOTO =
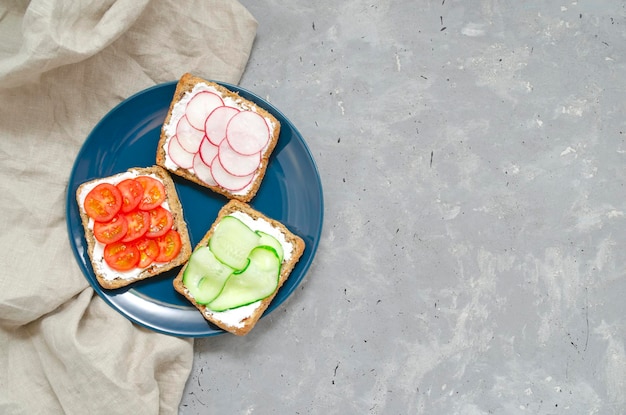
(256, 282)
(205, 275)
(232, 242)
(269, 240)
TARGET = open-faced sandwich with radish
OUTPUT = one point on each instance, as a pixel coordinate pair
(237, 268)
(134, 226)
(217, 139)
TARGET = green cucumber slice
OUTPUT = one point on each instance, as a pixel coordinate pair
(256, 282)
(232, 242)
(269, 240)
(205, 275)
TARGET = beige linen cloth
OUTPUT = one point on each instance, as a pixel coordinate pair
(63, 66)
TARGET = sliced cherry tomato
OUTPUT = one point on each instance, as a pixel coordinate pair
(111, 231)
(169, 246)
(138, 225)
(132, 194)
(153, 192)
(161, 221)
(121, 256)
(148, 250)
(103, 202)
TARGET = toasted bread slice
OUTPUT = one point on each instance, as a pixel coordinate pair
(241, 320)
(105, 275)
(192, 151)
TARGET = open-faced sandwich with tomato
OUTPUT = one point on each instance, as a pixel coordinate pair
(134, 226)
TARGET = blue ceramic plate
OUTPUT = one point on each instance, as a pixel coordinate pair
(127, 137)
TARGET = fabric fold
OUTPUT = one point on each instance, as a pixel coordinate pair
(56, 33)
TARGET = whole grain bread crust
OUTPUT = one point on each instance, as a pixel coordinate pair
(179, 225)
(287, 266)
(186, 84)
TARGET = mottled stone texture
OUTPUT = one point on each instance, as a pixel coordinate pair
(473, 258)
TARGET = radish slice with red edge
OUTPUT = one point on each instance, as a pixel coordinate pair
(178, 154)
(235, 163)
(247, 133)
(188, 137)
(216, 122)
(208, 151)
(203, 170)
(200, 106)
(227, 180)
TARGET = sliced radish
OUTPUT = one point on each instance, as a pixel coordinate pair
(235, 163)
(200, 106)
(178, 154)
(247, 133)
(215, 125)
(203, 170)
(208, 151)
(188, 136)
(227, 180)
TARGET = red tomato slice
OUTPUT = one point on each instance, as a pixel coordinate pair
(161, 221)
(111, 231)
(169, 246)
(148, 251)
(138, 225)
(121, 256)
(132, 193)
(153, 192)
(103, 202)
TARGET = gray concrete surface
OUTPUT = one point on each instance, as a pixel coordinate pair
(473, 158)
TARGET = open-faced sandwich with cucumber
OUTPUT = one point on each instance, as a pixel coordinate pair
(237, 268)
(134, 226)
